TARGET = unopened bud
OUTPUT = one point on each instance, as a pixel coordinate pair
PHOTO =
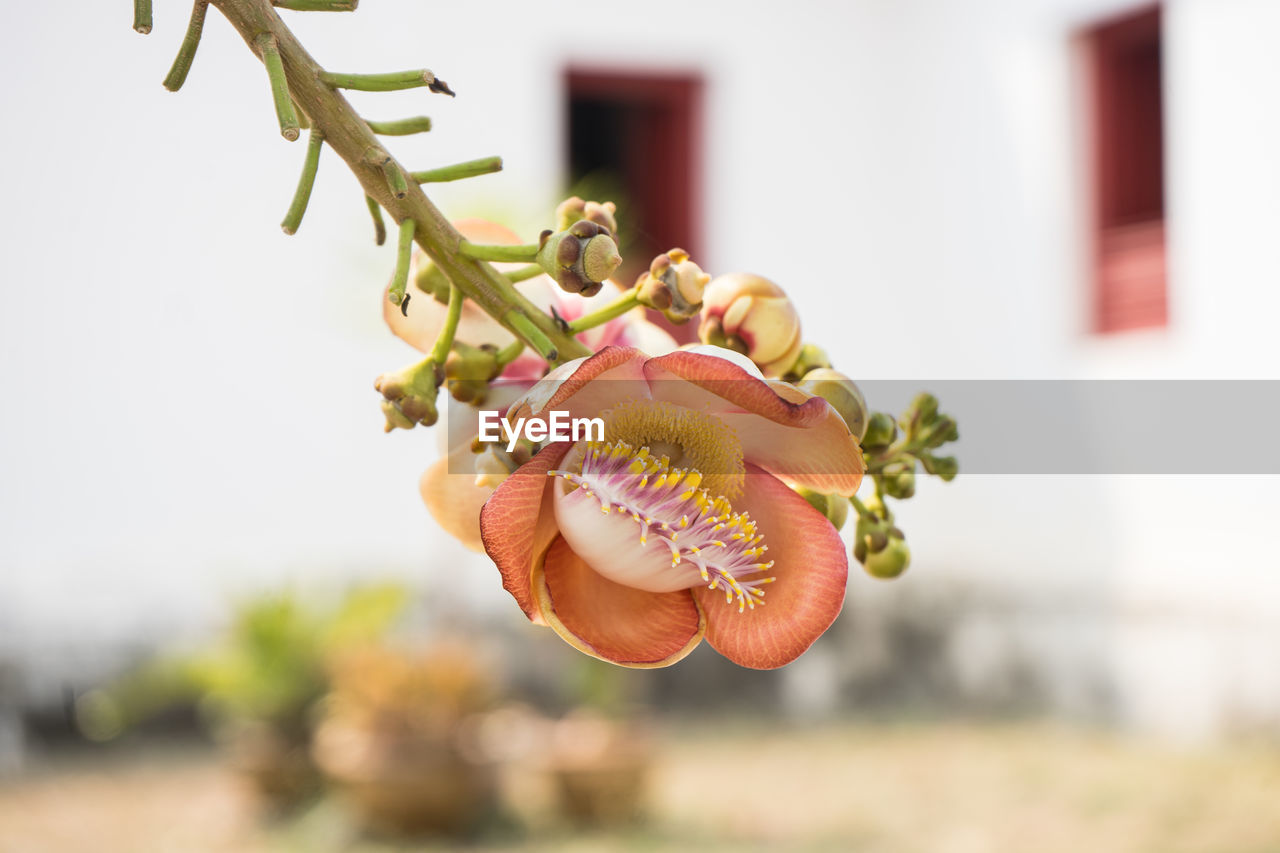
(574, 209)
(843, 395)
(409, 395)
(812, 357)
(580, 257)
(943, 467)
(889, 562)
(469, 370)
(881, 431)
(673, 285)
(899, 480)
(834, 507)
(752, 315)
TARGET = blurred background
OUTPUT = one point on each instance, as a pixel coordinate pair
(196, 494)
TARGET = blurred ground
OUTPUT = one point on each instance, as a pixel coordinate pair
(902, 788)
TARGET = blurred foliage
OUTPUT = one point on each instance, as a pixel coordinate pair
(271, 666)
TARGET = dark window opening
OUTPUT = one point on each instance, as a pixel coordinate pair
(635, 139)
(1128, 152)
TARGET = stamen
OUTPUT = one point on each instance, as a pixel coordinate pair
(660, 498)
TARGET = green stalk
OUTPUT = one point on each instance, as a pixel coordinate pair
(317, 5)
(525, 328)
(524, 273)
(458, 171)
(400, 280)
(391, 82)
(379, 227)
(142, 16)
(509, 353)
(401, 127)
(302, 195)
(622, 305)
(485, 252)
(279, 86)
(182, 62)
(444, 341)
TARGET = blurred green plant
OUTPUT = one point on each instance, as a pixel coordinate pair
(270, 667)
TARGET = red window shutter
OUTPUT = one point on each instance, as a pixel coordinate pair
(1130, 282)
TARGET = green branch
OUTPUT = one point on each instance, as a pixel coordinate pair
(302, 195)
(458, 171)
(270, 51)
(317, 5)
(379, 227)
(347, 135)
(525, 328)
(444, 341)
(524, 273)
(404, 249)
(401, 127)
(485, 252)
(142, 16)
(622, 305)
(391, 82)
(187, 52)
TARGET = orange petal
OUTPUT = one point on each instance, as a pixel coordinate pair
(805, 443)
(607, 620)
(811, 568)
(588, 386)
(454, 499)
(517, 523)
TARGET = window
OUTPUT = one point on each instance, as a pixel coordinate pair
(636, 139)
(1124, 59)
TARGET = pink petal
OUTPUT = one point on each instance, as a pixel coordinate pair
(607, 620)
(811, 568)
(517, 524)
(805, 443)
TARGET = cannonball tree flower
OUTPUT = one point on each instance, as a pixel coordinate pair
(681, 524)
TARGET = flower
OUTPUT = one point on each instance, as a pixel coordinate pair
(451, 491)
(753, 316)
(683, 524)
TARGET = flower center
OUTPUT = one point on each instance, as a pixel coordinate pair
(686, 437)
(638, 520)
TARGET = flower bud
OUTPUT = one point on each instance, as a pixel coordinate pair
(753, 316)
(469, 370)
(673, 285)
(881, 431)
(409, 395)
(573, 209)
(944, 467)
(812, 357)
(889, 562)
(580, 257)
(899, 480)
(834, 507)
(843, 395)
